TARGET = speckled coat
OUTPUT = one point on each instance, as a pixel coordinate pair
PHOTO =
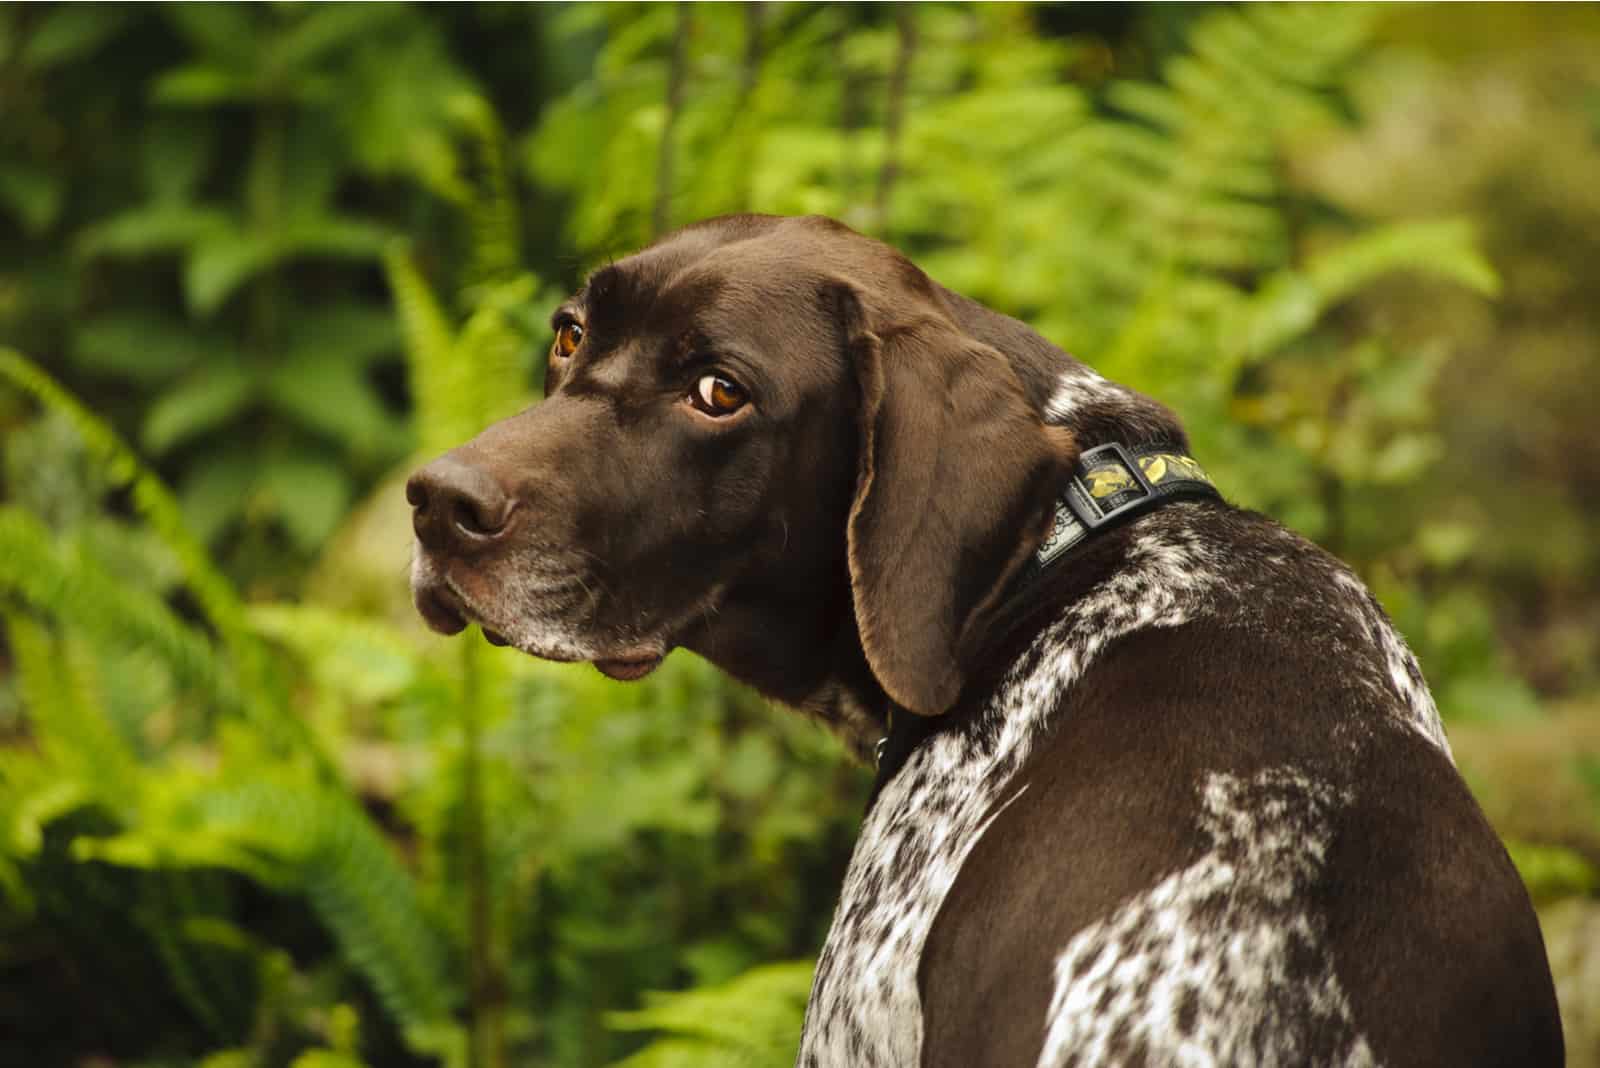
(1205, 814)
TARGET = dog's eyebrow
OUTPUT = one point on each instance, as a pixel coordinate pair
(603, 281)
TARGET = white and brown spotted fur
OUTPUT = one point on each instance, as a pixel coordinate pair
(1266, 836)
(1181, 799)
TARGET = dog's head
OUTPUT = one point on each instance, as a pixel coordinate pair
(768, 440)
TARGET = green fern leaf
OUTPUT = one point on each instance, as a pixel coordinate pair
(752, 1020)
(430, 350)
(156, 505)
(78, 592)
(154, 502)
(299, 837)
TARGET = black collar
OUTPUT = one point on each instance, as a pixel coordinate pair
(1110, 484)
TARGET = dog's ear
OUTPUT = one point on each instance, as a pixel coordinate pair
(956, 479)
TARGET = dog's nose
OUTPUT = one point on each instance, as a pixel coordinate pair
(456, 505)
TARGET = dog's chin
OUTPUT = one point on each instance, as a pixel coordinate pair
(626, 665)
(445, 611)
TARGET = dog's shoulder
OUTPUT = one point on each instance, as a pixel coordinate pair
(1238, 802)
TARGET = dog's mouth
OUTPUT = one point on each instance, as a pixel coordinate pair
(446, 611)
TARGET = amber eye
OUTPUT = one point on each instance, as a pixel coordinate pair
(717, 396)
(568, 337)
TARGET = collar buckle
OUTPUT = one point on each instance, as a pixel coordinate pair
(1106, 473)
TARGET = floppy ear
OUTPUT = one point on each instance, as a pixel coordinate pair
(956, 481)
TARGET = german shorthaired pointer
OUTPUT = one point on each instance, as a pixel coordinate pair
(1159, 782)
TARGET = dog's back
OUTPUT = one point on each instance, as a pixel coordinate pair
(1207, 816)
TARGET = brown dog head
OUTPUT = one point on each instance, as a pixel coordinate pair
(768, 440)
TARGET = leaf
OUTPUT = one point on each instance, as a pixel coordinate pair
(143, 347)
(176, 152)
(343, 332)
(326, 28)
(214, 491)
(73, 31)
(67, 722)
(295, 835)
(336, 236)
(222, 262)
(322, 1058)
(32, 194)
(430, 348)
(153, 502)
(335, 399)
(204, 85)
(757, 1014)
(226, 34)
(158, 228)
(1291, 301)
(349, 655)
(309, 494)
(224, 258)
(1447, 248)
(151, 498)
(79, 592)
(202, 402)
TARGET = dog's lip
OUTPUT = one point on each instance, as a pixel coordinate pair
(628, 668)
(441, 610)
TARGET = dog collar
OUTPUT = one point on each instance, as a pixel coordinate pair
(1112, 483)
(1109, 485)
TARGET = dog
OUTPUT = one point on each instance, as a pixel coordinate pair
(1158, 782)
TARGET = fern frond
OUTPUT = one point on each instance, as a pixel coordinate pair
(1291, 300)
(355, 657)
(160, 510)
(316, 841)
(154, 501)
(435, 372)
(34, 791)
(752, 1020)
(491, 203)
(67, 722)
(460, 383)
(79, 593)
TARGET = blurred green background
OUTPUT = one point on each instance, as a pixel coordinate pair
(257, 260)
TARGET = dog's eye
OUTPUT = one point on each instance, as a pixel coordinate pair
(718, 396)
(568, 337)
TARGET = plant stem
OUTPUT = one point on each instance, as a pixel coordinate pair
(749, 78)
(675, 79)
(905, 25)
(486, 986)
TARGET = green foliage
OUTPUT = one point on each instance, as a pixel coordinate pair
(1553, 872)
(298, 837)
(752, 1020)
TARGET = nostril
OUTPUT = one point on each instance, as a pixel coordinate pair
(479, 518)
(416, 492)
